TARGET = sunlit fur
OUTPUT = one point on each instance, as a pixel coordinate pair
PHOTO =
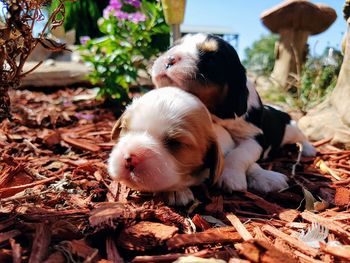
(142, 133)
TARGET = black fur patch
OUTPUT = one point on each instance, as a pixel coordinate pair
(223, 67)
(273, 125)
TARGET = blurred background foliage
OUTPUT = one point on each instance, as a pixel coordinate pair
(316, 81)
(319, 77)
(82, 16)
(118, 39)
(260, 57)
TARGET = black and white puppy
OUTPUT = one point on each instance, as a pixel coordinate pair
(209, 67)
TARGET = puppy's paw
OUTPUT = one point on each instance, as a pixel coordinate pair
(308, 149)
(231, 180)
(266, 181)
(179, 198)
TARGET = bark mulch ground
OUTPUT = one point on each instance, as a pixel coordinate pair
(57, 203)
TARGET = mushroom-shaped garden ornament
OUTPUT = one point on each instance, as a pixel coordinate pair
(294, 21)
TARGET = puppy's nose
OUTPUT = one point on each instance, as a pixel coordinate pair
(130, 162)
(171, 60)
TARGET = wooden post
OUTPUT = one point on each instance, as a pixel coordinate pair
(175, 33)
(174, 12)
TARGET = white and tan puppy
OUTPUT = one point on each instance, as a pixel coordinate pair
(166, 143)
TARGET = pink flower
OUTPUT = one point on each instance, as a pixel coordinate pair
(134, 3)
(120, 14)
(84, 39)
(137, 17)
(107, 11)
(115, 4)
(114, 8)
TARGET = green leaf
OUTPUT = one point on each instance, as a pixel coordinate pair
(309, 200)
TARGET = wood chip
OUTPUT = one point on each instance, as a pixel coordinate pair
(82, 249)
(238, 260)
(261, 251)
(200, 222)
(306, 259)
(81, 144)
(214, 235)
(8, 235)
(337, 251)
(18, 188)
(16, 251)
(41, 243)
(56, 257)
(145, 236)
(342, 196)
(288, 215)
(259, 234)
(296, 243)
(169, 257)
(241, 229)
(52, 138)
(112, 251)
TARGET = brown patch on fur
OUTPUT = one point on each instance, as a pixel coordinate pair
(119, 126)
(211, 95)
(238, 128)
(208, 46)
(199, 149)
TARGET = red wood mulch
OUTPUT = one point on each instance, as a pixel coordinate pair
(59, 205)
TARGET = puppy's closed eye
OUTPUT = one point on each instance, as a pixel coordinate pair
(178, 139)
(172, 143)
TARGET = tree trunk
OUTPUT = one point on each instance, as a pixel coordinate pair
(290, 55)
(331, 119)
(341, 94)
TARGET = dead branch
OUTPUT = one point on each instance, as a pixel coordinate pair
(17, 42)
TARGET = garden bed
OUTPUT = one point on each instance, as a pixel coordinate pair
(59, 205)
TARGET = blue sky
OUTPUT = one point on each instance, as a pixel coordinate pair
(244, 17)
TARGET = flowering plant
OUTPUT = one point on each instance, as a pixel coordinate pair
(133, 31)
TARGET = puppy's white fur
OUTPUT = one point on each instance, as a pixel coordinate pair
(159, 163)
(187, 54)
(253, 97)
(264, 180)
(293, 135)
(240, 170)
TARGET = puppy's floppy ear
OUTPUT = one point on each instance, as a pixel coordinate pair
(236, 101)
(118, 127)
(214, 161)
